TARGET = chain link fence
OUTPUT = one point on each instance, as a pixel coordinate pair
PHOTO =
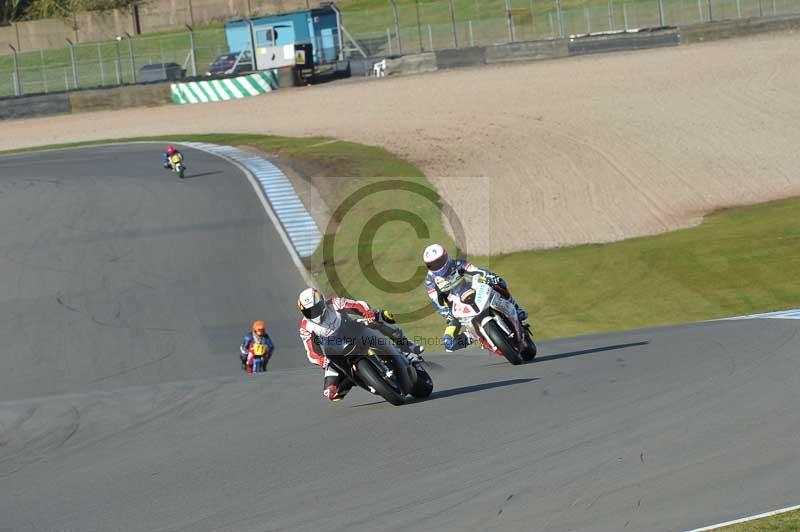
(411, 26)
(123, 61)
(378, 27)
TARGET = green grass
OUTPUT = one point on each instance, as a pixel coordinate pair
(367, 20)
(51, 70)
(737, 261)
(533, 19)
(785, 522)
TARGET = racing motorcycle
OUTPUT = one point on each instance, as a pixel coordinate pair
(486, 313)
(372, 362)
(176, 162)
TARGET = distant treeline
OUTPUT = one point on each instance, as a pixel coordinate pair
(13, 10)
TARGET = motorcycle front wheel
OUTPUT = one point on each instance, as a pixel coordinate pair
(369, 374)
(499, 339)
(423, 387)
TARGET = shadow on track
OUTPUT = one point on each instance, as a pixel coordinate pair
(478, 387)
(192, 176)
(590, 351)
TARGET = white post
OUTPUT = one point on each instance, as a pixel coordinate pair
(389, 40)
(44, 70)
(430, 37)
(700, 10)
(611, 15)
(625, 15)
(739, 8)
(588, 20)
(100, 61)
(471, 36)
(552, 27)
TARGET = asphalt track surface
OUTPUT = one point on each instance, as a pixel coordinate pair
(122, 408)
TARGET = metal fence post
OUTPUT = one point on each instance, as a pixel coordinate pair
(739, 8)
(611, 15)
(44, 70)
(17, 84)
(471, 36)
(419, 27)
(700, 10)
(710, 15)
(625, 15)
(453, 22)
(552, 26)
(100, 61)
(661, 13)
(117, 64)
(193, 51)
(397, 26)
(560, 15)
(74, 64)
(509, 22)
(774, 8)
(389, 40)
(430, 37)
(133, 59)
(760, 9)
(588, 20)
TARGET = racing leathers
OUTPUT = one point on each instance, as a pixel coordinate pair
(249, 355)
(335, 386)
(167, 157)
(454, 338)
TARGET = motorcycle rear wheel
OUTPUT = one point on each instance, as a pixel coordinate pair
(369, 374)
(499, 339)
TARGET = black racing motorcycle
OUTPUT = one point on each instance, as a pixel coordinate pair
(371, 361)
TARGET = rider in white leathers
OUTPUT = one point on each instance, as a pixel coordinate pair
(443, 273)
(321, 319)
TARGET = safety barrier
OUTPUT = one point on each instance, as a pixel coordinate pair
(219, 90)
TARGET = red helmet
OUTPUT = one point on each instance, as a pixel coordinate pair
(170, 150)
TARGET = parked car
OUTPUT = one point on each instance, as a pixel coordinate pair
(230, 63)
(161, 72)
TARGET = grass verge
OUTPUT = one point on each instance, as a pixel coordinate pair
(785, 522)
(737, 261)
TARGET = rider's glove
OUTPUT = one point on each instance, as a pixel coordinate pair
(369, 315)
(325, 363)
(493, 279)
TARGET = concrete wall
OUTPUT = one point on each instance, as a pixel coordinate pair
(526, 51)
(42, 105)
(121, 97)
(616, 43)
(103, 26)
(49, 33)
(736, 28)
(8, 35)
(411, 64)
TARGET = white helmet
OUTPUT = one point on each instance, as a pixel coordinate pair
(437, 260)
(312, 305)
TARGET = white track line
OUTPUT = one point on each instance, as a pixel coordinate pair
(745, 519)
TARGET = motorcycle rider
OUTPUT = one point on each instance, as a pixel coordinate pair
(443, 275)
(321, 319)
(168, 155)
(256, 348)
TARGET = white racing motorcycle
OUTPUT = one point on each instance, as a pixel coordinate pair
(488, 315)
